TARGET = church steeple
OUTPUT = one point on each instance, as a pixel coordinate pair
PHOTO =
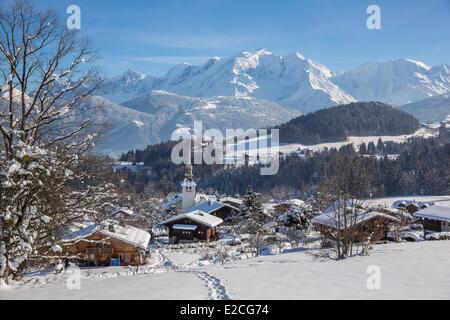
(188, 189)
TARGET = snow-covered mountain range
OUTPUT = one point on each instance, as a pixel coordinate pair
(395, 82)
(253, 89)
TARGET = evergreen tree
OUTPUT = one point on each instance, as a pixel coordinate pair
(363, 148)
(253, 219)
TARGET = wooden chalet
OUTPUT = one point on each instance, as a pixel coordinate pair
(107, 244)
(361, 223)
(435, 218)
(234, 202)
(285, 206)
(192, 227)
(411, 206)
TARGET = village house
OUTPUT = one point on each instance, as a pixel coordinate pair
(411, 206)
(107, 244)
(234, 202)
(435, 218)
(192, 227)
(361, 223)
(285, 206)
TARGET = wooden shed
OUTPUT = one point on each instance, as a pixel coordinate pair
(285, 206)
(192, 226)
(361, 224)
(107, 244)
(435, 218)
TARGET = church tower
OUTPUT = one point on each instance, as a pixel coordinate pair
(188, 189)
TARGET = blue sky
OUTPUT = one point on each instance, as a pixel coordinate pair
(150, 36)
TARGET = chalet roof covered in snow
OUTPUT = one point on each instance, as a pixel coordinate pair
(129, 234)
(293, 202)
(336, 219)
(197, 216)
(405, 203)
(236, 201)
(172, 201)
(435, 212)
(209, 207)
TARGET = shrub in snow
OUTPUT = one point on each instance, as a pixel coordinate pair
(59, 267)
(438, 236)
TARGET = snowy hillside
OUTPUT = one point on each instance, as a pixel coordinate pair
(395, 82)
(119, 128)
(152, 117)
(407, 270)
(434, 109)
(171, 112)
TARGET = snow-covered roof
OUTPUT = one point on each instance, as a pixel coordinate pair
(232, 200)
(202, 197)
(129, 234)
(212, 206)
(172, 200)
(197, 216)
(405, 203)
(435, 212)
(208, 207)
(293, 202)
(330, 219)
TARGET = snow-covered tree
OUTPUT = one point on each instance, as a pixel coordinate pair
(46, 182)
(253, 219)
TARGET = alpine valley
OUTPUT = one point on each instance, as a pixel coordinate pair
(255, 89)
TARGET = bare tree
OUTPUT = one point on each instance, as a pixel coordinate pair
(45, 182)
(342, 194)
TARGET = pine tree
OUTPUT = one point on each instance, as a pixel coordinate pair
(253, 218)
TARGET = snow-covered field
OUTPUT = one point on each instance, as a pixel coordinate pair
(408, 271)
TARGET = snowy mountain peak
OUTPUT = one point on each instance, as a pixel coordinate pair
(300, 56)
(419, 63)
(395, 82)
(257, 52)
(131, 76)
